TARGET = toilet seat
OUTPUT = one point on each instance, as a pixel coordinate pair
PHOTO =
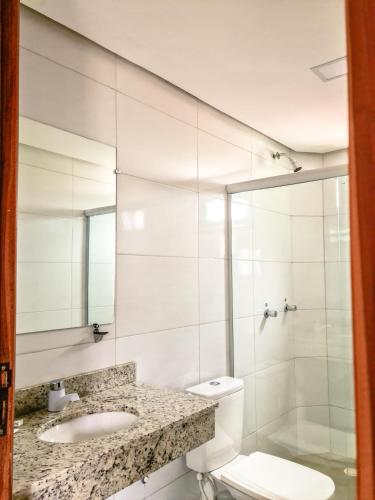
(264, 476)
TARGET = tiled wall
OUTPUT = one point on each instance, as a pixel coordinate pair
(176, 155)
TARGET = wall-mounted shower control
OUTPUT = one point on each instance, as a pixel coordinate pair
(270, 313)
(289, 307)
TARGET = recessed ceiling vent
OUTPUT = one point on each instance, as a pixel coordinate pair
(337, 68)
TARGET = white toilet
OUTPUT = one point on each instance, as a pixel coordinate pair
(259, 475)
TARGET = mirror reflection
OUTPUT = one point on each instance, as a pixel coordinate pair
(66, 230)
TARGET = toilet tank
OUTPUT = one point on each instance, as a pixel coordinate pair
(226, 444)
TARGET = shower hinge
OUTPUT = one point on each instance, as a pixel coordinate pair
(5, 384)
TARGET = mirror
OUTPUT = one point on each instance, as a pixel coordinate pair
(66, 229)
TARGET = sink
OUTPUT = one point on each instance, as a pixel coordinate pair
(89, 426)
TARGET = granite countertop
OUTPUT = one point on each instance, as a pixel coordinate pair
(170, 424)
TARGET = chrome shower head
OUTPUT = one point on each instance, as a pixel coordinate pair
(295, 164)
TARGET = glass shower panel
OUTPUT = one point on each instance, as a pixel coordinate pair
(290, 256)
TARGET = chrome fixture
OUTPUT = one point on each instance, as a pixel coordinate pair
(57, 399)
(98, 336)
(270, 313)
(296, 166)
(289, 307)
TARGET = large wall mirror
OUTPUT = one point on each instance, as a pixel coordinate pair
(66, 230)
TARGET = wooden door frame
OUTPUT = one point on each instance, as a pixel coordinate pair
(9, 69)
(360, 18)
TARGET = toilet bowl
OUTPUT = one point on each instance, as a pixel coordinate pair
(258, 475)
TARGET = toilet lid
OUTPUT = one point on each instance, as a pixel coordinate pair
(265, 476)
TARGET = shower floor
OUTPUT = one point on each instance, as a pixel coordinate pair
(334, 467)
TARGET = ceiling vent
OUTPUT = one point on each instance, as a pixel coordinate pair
(337, 68)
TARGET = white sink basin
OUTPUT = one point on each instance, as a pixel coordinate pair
(88, 427)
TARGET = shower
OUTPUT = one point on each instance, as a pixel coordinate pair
(295, 164)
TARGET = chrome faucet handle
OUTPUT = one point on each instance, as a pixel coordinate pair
(270, 313)
(56, 385)
(289, 307)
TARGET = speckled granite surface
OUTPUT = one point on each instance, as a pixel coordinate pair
(35, 397)
(170, 424)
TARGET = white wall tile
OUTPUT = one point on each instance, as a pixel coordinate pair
(167, 358)
(337, 237)
(101, 284)
(156, 293)
(272, 285)
(307, 239)
(242, 231)
(273, 340)
(155, 219)
(266, 166)
(60, 97)
(93, 171)
(275, 392)
(309, 330)
(185, 487)
(244, 346)
(89, 194)
(213, 350)
(250, 422)
(221, 125)
(220, 163)
(44, 366)
(41, 158)
(311, 381)
(339, 334)
(155, 146)
(272, 236)
(212, 226)
(341, 383)
(43, 238)
(148, 88)
(213, 286)
(311, 296)
(44, 192)
(243, 288)
(343, 432)
(276, 199)
(249, 444)
(53, 282)
(338, 285)
(307, 198)
(280, 436)
(336, 195)
(265, 146)
(66, 47)
(43, 320)
(313, 430)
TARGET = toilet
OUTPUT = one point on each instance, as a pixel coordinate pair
(258, 475)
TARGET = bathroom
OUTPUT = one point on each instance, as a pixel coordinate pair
(184, 241)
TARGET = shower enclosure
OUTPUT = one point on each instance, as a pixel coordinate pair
(291, 336)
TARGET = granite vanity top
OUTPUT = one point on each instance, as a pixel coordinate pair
(170, 424)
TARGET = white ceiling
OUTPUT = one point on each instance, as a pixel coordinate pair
(248, 58)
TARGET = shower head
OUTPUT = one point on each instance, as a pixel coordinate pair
(295, 164)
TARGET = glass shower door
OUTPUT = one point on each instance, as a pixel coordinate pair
(290, 259)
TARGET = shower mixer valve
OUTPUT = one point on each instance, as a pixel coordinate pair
(270, 313)
(289, 307)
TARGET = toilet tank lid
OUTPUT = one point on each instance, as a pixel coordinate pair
(217, 388)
